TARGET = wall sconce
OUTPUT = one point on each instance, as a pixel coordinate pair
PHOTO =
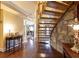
(8, 28)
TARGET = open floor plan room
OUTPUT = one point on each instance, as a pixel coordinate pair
(39, 29)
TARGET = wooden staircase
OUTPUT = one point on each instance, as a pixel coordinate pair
(49, 14)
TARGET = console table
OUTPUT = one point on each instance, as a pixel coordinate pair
(13, 43)
(68, 52)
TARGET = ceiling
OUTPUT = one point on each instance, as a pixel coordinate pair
(27, 8)
(4, 7)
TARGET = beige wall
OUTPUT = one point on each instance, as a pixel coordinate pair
(1, 29)
(16, 23)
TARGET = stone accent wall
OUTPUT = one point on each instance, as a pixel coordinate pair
(63, 32)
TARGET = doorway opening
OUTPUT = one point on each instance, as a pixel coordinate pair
(29, 30)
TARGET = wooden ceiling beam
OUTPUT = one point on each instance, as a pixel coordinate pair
(48, 23)
(42, 32)
(48, 18)
(63, 3)
(43, 35)
(50, 9)
(45, 27)
(51, 13)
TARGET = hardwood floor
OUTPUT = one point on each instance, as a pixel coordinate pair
(45, 50)
(33, 50)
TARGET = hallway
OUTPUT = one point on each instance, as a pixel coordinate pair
(30, 50)
(39, 29)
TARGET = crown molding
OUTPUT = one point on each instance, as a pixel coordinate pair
(13, 6)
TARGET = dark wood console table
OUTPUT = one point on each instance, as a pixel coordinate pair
(13, 43)
(68, 53)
